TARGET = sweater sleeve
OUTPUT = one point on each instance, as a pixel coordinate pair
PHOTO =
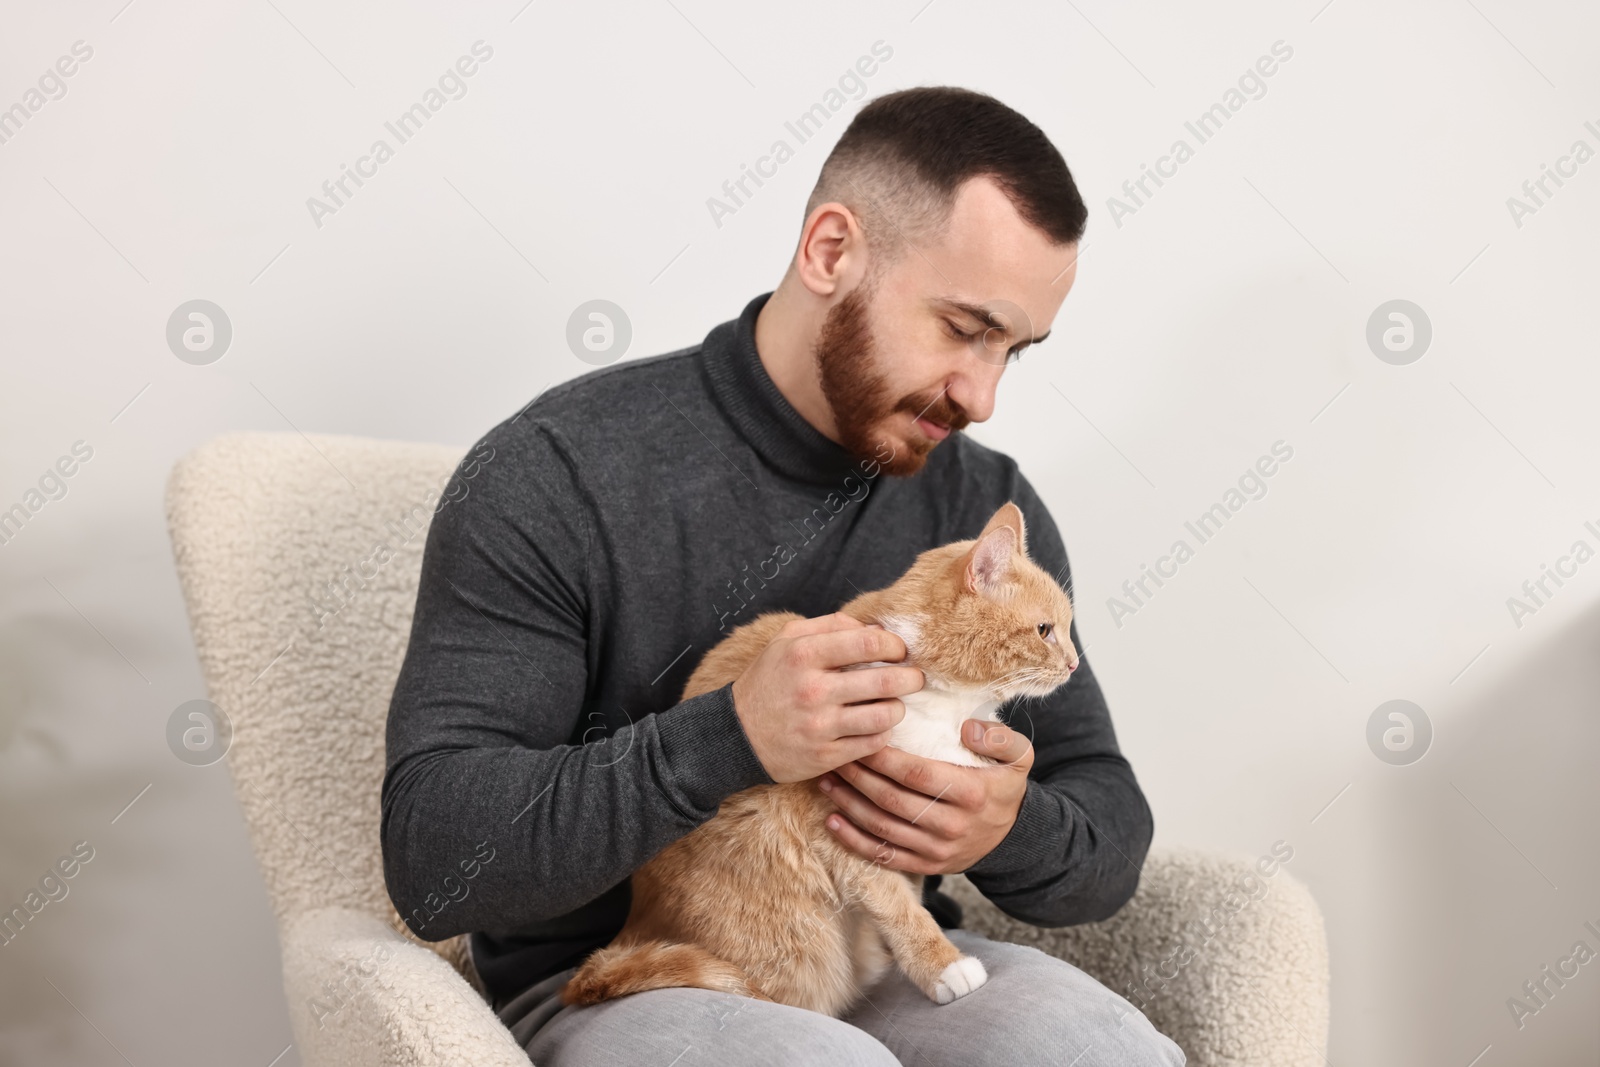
(1083, 829)
(485, 751)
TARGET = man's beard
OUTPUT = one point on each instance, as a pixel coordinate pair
(859, 395)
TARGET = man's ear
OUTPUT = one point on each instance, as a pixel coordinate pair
(988, 563)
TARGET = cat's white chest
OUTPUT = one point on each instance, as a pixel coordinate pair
(932, 726)
(934, 713)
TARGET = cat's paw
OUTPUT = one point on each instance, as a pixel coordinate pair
(959, 979)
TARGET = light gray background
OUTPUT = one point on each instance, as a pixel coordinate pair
(1228, 313)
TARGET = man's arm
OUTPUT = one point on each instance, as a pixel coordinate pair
(491, 692)
(1084, 826)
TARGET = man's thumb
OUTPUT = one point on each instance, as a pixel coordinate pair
(995, 740)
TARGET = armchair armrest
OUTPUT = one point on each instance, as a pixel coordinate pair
(1230, 963)
(360, 993)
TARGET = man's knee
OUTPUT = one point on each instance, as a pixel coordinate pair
(721, 1030)
(1134, 1040)
(828, 1042)
(1064, 1013)
(778, 1035)
(1112, 1034)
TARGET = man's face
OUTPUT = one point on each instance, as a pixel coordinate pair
(907, 359)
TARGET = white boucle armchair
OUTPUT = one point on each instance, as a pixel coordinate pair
(1232, 965)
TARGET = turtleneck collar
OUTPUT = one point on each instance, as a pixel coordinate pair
(759, 411)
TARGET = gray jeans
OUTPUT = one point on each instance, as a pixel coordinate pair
(1035, 1009)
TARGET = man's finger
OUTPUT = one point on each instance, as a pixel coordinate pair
(918, 809)
(863, 644)
(874, 820)
(865, 722)
(822, 624)
(878, 851)
(997, 741)
(857, 747)
(930, 777)
(874, 683)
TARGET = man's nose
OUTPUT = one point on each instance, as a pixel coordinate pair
(973, 391)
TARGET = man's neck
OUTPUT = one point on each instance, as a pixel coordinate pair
(785, 333)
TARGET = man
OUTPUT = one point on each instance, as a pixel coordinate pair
(628, 519)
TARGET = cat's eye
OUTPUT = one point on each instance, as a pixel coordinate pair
(1046, 629)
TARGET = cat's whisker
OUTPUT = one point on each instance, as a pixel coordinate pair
(1018, 680)
(1020, 674)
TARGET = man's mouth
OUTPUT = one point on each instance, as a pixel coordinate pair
(933, 429)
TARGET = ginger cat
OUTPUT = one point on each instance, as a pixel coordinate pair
(762, 900)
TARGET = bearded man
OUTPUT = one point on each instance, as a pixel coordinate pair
(803, 452)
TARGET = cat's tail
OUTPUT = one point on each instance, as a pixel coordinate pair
(617, 970)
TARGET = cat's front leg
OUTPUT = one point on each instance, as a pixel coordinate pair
(920, 948)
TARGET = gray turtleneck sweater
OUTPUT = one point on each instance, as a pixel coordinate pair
(620, 526)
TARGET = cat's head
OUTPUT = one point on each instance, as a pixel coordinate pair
(981, 613)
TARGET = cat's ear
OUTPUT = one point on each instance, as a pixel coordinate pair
(1009, 515)
(988, 563)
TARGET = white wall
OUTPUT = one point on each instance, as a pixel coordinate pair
(1220, 317)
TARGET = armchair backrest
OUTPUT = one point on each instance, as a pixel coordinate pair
(299, 558)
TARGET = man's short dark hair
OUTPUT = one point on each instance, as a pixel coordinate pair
(904, 156)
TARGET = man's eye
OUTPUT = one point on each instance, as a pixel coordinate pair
(950, 328)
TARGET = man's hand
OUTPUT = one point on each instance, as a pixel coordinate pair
(926, 816)
(803, 714)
